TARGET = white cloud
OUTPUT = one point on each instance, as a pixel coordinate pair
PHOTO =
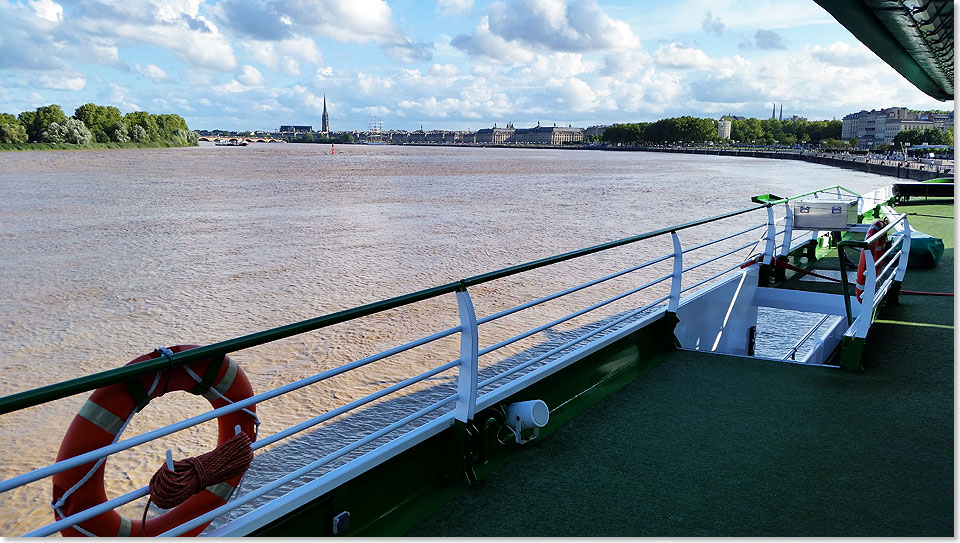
(233, 87)
(284, 55)
(454, 7)
(250, 76)
(47, 10)
(358, 21)
(175, 25)
(843, 54)
(573, 94)
(150, 71)
(444, 70)
(373, 110)
(549, 25)
(118, 96)
(60, 82)
(679, 55)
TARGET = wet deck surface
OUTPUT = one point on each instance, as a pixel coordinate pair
(713, 445)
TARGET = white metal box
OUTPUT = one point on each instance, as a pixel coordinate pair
(824, 214)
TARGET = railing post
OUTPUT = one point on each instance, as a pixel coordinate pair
(869, 293)
(771, 237)
(904, 252)
(787, 230)
(469, 354)
(677, 279)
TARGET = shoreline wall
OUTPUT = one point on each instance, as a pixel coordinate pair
(899, 172)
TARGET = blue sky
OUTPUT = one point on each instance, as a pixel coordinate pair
(453, 64)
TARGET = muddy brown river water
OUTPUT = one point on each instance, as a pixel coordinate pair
(105, 255)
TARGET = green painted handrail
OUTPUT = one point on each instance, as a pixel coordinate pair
(37, 396)
(844, 284)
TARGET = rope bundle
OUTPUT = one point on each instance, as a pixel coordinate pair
(169, 489)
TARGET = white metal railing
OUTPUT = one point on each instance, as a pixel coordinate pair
(467, 398)
(877, 284)
(792, 353)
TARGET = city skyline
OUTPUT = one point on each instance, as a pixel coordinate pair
(450, 64)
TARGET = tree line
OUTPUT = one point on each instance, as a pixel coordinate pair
(92, 123)
(931, 136)
(695, 129)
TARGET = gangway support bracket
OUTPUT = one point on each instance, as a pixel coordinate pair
(851, 353)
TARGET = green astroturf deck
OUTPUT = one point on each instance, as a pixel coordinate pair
(713, 445)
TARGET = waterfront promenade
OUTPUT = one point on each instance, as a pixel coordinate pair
(896, 166)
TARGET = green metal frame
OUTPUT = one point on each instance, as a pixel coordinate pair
(861, 19)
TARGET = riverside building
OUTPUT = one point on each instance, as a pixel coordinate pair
(880, 127)
(538, 135)
(724, 126)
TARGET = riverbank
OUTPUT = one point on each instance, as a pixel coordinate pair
(86, 147)
(917, 170)
(914, 169)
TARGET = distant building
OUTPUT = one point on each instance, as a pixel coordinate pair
(548, 135)
(325, 119)
(294, 129)
(596, 130)
(495, 135)
(723, 128)
(880, 127)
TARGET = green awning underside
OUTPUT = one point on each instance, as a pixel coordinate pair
(915, 37)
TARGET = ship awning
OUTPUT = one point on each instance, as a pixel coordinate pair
(915, 37)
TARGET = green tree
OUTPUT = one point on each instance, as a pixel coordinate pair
(37, 121)
(746, 130)
(69, 131)
(26, 121)
(12, 132)
(139, 134)
(853, 141)
(118, 132)
(54, 133)
(145, 121)
(76, 132)
(168, 124)
(98, 118)
(905, 136)
(624, 133)
(346, 137)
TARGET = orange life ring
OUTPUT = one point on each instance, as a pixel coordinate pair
(104, 414)
(877, 248)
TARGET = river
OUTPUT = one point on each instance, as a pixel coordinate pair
(105, 255)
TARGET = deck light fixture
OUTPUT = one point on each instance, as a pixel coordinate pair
(529, 414)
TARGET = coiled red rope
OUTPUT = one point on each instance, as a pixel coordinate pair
(169, 489)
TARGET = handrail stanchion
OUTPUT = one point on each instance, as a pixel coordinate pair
(869, 292)
(904, 252)
(787, 231)
(771, 237)
(677, 280)
(469, 357)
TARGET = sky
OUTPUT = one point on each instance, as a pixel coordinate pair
(440, 64)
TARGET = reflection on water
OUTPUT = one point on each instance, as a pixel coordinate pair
(105, 255)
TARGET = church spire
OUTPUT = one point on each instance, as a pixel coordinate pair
(325, 120)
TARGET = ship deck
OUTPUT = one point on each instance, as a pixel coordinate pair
(714, 445)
